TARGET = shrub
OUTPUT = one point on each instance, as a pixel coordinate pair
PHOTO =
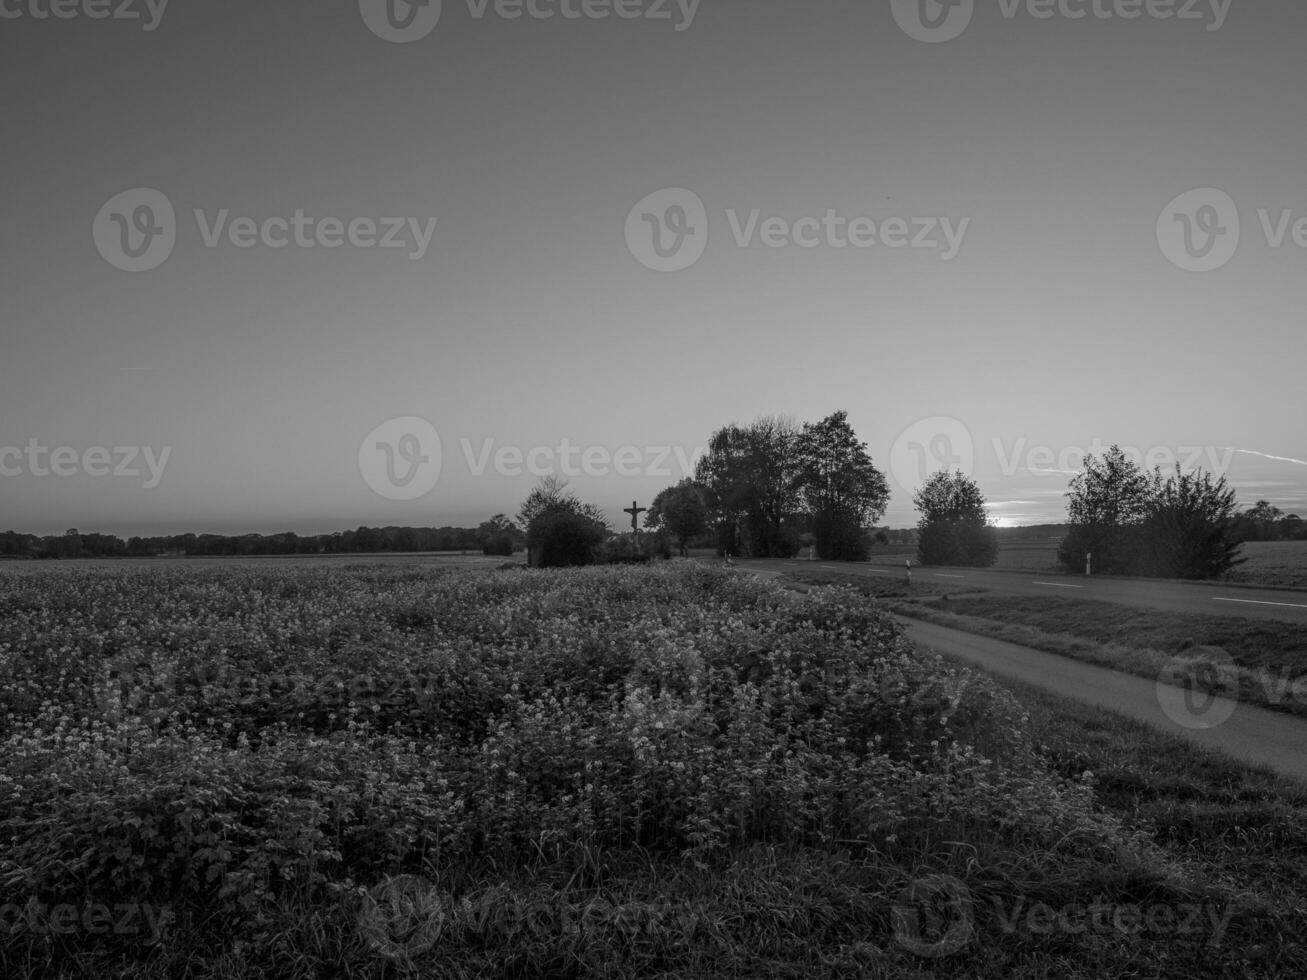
(562, 538)
(499, 545)
(622, 549)
(840, 537)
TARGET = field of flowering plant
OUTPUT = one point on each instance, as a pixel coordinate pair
(611, 771)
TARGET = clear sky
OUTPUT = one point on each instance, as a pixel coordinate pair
(1034, 161)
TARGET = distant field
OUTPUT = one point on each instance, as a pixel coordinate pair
(1274, 563)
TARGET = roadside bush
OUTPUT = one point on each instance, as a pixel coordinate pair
(839, 537)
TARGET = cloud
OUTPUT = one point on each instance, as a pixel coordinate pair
(1278, 459)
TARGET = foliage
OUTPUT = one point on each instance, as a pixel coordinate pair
(1266, 522)
(954, 528)
(551, 494)
(1132, 523)
(561, 530)
(752, 474)
(1106, 501)
(253, 750)
(623, 549)
(501, 544)
(1187, 530)
(842, 489)
(769, 481)
(561, 538)
(681, 511)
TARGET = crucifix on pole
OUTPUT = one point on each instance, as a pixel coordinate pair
(635, 510)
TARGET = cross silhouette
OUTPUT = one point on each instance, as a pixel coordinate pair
(635, 510)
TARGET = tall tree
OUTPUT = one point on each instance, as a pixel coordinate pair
(560, 528)
(551, 494)
(682, 511)
(1106, 504)
(954, 527)
(752, 474)
(842, 489)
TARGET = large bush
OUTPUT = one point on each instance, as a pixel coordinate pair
(563, 538)
(1183, 525)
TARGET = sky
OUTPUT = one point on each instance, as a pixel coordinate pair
(307, 266)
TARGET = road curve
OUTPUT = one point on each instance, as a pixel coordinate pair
(1249, 734)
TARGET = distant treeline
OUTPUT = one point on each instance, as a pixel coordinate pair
(73, 544)
(1263, 522)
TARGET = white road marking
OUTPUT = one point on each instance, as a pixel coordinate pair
(1260, 602)
(1058, 585)
(942, 575)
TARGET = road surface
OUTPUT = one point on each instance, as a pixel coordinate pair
(1249, 734)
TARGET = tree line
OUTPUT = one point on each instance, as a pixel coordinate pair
(771, 487)
(73, 544)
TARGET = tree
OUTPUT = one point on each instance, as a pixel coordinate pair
(1107, 503)
(559, 527)
(954, 528)
(840, 486)
(498, 536)
(1181, 526)
(551, 493)
(682, 511)
(1188, 527)
(752, 475)
(1262, 522)
(561, 538)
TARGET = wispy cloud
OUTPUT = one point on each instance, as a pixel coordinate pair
(1278, 459)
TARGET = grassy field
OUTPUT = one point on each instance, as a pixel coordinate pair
(1273, 564)
(677, 771)
(1281, 564)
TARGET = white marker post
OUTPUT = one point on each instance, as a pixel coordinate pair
(907, 562)
(1088, 563)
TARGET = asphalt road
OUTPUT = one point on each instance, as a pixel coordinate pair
(1242, 731)
(1175, 597)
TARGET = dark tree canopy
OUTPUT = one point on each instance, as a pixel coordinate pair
(1132, 523)
(954, 527)
(681, 511)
